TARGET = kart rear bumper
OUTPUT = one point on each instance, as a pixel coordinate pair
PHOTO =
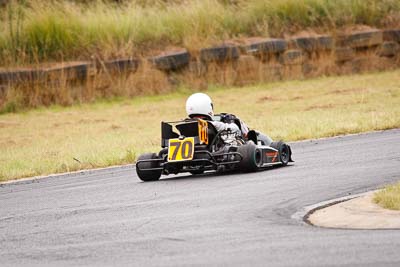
(204, 160)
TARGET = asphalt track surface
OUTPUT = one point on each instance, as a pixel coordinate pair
(109, 217)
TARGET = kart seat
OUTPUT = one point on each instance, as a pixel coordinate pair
(212, 133)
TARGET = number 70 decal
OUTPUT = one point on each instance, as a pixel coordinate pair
(179, 150)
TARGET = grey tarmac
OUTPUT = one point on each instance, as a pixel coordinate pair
(109, 217)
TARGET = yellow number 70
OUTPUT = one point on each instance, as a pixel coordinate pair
(181, 150)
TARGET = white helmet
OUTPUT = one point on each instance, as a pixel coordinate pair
(199, 104)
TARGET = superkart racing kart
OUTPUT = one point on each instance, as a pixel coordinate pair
(195, 146)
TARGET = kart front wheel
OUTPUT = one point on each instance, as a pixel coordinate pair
(251, 157)
(284, 152)
(148, 175)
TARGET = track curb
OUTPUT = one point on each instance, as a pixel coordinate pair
(304, 214)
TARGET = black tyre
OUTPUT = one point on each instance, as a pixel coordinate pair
(152, 175)
(251, 157)
(267, 46)
(172, 61)
(363, 39)
(284, 152)
(220, 54)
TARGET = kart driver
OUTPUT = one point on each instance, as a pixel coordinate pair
(199, 105)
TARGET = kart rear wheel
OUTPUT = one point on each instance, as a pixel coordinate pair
(284, 152)
(147, 176)
(251, 157)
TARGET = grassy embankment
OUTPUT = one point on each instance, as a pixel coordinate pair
(389, 198)
(59, 139)
(41, 32)
(34, 31)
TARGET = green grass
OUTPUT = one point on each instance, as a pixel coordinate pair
(38, 30)
(59, 139)
(389, 198)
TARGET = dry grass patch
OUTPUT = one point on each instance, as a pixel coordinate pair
(389, 198)
(60, 139)
(35, 31)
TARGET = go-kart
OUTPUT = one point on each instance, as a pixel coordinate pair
(195, 146)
